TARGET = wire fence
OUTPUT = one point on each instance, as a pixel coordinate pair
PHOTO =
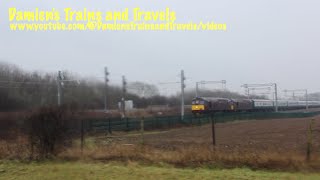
(131, 124)
(51, 132)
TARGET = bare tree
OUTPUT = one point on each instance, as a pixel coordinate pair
(143, 89)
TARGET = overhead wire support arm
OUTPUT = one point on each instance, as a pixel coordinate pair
(161, 83)
(274, 85)
(301, 90)
(60, 83)
(223, 82)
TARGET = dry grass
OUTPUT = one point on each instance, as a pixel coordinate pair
(196, 156)
(188, 156)
(17, 149)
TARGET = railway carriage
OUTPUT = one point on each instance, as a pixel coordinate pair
(244, 105)
(262, 105)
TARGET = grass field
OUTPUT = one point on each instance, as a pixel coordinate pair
(131, 170)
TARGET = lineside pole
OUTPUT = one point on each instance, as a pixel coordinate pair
(182, 93)
(276, 96)
(309, 140)
(59, 79)
(124, 91)
(197, 89)
(307, 103)
(142, 129)
(106, 80)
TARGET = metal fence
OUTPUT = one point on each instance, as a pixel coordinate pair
(129, 124)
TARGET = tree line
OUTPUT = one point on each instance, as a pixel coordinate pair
(20, 90)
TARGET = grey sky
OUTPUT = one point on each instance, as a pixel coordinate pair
(267, 41)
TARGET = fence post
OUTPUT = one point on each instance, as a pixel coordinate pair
(213, 130)
(152, 122)
(109, 128)
(89, 124)
(82, 135)
(199, 121)
(127, 123)
(309, 143)
(142, 129)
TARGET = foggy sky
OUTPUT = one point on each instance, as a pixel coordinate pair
(267, 41)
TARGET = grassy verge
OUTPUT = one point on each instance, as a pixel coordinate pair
(131, 170)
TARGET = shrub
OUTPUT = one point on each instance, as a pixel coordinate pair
(48, 130)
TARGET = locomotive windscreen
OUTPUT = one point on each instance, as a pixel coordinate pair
(197, 102)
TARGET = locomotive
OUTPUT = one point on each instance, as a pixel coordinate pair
(211, 104)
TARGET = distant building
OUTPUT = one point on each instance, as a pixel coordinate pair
(128, 105)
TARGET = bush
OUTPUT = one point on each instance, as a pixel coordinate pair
(48, 130)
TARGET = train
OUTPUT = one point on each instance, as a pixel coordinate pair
(213, 104)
